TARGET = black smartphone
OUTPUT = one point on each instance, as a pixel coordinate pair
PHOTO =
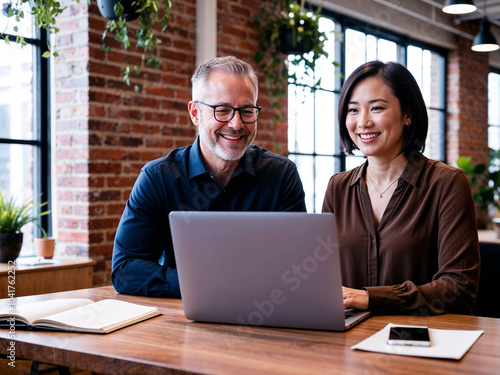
(409, 336)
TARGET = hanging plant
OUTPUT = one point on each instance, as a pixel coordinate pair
(289, 34)
(119, 12)
(147, 11)
(44, 14)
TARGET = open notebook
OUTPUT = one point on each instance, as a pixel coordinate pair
(261, 269)
(73, 315)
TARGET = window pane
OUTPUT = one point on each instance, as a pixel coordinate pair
(414, 64)
(370, 48)
(352, 162)
(435, 137)
(325, 70)
(7, 24)
(494, 137)
(494, 99)
(301, 120)
(325, 168)
(297, 67)
(325, 122)
(16, 100)
(427, 68)
(305, 166)
(387, 51)
(355, 50)
(16, 181)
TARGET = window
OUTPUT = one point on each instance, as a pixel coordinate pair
(494, 110)
(313, 140)
(24, 114)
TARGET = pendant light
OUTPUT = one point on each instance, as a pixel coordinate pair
(484, 41)
(459, 6)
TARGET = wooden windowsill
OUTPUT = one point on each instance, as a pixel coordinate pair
(22, 279)
(23, 265)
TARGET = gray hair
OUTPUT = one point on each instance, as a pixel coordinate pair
(226, 64)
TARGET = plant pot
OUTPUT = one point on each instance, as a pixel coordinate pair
(44, 247)
(10, 246)
(288, 45)
(107, 9)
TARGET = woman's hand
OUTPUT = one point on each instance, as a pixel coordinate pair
(355, 298)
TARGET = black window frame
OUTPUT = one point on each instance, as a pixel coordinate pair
(342, 23)
(41, 126)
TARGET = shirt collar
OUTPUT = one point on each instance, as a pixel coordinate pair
(410, 173)
(197, 165)
(414, 168)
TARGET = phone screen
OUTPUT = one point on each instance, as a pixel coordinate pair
(409, 336)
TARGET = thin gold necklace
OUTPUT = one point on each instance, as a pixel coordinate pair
(375, 186)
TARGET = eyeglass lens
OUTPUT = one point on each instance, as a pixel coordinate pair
(247, 114)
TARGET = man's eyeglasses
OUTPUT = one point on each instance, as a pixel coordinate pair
(225, 113)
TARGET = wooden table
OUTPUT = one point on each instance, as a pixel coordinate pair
(170, 344)
(64, 274)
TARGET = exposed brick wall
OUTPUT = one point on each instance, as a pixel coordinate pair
(467, 95)
(105, 132)
(71, 130)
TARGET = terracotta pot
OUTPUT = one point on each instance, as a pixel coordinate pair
(44, 247)
(10, 246)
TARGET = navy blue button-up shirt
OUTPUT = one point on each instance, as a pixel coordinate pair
(143, 258)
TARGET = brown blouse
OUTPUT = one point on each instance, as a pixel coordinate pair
(423, 258)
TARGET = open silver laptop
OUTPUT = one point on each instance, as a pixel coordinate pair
(277, 269)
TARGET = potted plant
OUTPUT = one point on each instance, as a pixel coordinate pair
(12, 218)
(44, 246)
(45, 13)
(289, 34)
(485, 183)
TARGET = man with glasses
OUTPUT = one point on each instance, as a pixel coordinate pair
(221, 171)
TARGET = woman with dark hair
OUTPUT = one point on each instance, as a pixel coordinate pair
(407, 229)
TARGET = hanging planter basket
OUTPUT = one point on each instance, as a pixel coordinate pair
(107, 9)
(289, 44)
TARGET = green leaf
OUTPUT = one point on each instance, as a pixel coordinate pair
(154, 63)
(119, 9)
(479, 169)
(46, 54)
(112, 26)
(465, 163)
